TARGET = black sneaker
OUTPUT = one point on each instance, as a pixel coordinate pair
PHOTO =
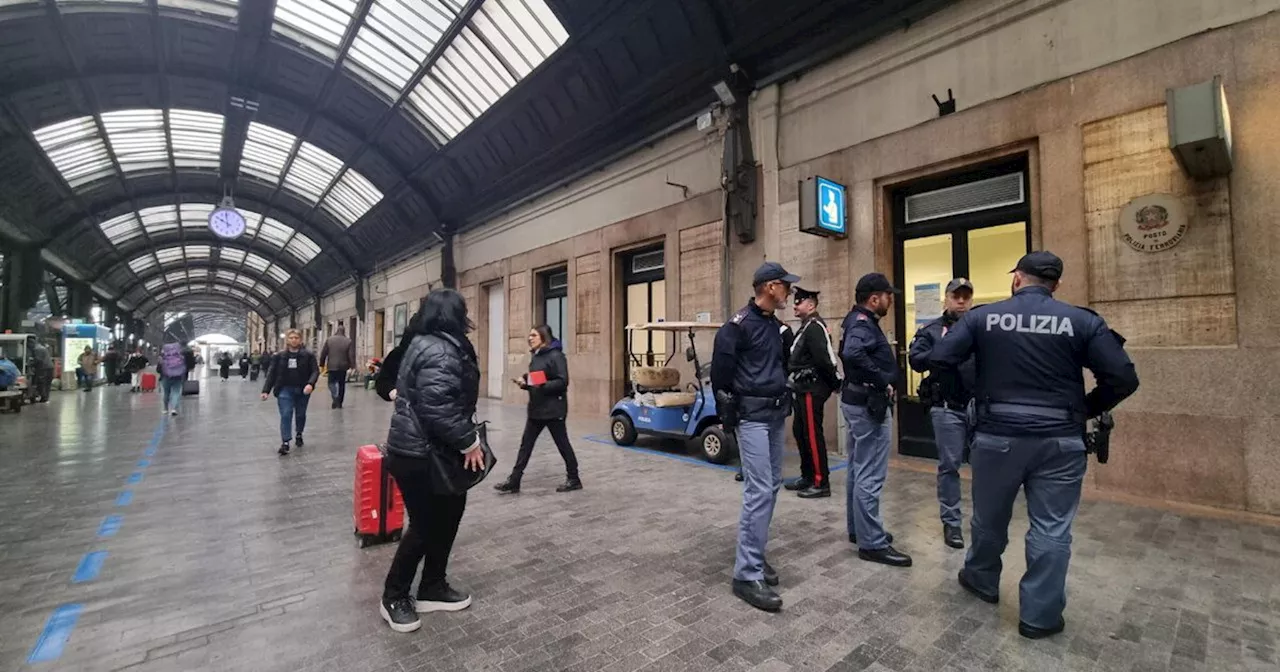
(508, 487)
(298, 439)
(399, 614)
(284, 449)
(1032, 632)
(757, 594)
(801, 483)
(771, 575)
(441, 597)
(570, 485)
(952, 536)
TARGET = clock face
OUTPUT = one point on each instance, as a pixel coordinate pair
(226, 223)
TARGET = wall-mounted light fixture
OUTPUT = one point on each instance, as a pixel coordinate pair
(1200, 129)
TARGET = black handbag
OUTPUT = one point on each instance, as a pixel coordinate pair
(449, 476)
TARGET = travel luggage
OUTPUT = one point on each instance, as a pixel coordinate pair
(148, 382)
(190, 388)
(379, 509)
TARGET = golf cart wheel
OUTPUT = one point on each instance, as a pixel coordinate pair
(622, 430)
(715, 445)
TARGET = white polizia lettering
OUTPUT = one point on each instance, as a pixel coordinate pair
(1031, 324)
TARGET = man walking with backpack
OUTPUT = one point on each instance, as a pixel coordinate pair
(173, 373)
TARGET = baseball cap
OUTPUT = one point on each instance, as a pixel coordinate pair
(958, 284)
(1041, 264)
(770, 271)
(875, 282)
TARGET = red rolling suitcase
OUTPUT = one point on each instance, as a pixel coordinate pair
(148, 382)
(379, 509)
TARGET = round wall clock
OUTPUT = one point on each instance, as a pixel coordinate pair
(226, 223)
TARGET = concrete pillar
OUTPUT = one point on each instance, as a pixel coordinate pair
(448, 266)
(22, 271)
(79, 300)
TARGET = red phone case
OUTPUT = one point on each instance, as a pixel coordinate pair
(537, 377)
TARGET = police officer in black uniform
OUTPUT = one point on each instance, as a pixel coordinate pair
(870, 372)
(814, 376)
(1031, 410)
(749, 377)
(948, 392)
(788, 340)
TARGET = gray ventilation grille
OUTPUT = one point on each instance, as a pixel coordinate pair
(648, 261)
(995, 192)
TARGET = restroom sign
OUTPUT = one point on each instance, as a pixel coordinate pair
(823, 207)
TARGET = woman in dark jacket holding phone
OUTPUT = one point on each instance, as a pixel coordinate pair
(548, 385)
(432, 432)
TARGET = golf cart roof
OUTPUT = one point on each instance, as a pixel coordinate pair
(672, 326)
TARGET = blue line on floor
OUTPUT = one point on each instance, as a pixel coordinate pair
(150, 451)
(143, 464)
(125, 498)
(54, 636)
(110, 525)
(90, 566)
(134, 478)
(682, 458)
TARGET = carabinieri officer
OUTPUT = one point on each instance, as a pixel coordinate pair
(1031, 410)
(948, 391)
(749, 377)
(814, 376)
(870, 372)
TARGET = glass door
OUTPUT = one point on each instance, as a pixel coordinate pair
(927, 266)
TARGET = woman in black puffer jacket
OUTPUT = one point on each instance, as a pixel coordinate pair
(547, 384)
(432, 430)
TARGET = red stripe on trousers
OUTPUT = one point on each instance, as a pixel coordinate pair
(813, 438)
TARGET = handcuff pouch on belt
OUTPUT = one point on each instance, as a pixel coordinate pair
(877, 404)
(1098, 439)
(727, 407)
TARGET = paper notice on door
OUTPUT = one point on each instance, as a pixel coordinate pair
(928, 303)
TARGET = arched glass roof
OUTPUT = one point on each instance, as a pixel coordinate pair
(201, 254)
(81, 152)
(173, 292)
(195, 216)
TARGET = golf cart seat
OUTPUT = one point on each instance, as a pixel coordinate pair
(655, 378)
(674, 399)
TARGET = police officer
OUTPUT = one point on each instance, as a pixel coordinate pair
(749, 377)
(870, 371)
(814, 376)
(1031, 411)
(788, 340)
(949, 392)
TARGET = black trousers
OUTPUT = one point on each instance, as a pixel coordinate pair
(433, 525)
(806, 425)
(559, 434)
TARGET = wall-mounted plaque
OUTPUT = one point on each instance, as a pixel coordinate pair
(1153, 223)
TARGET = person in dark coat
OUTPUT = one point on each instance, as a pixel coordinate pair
(224, 365)
(291, 378)
(244, 365)
(547, 384)
(433, 426)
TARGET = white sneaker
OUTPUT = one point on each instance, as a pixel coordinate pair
(173, 412)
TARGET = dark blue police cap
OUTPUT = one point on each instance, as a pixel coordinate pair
(770, 271)
(1041, 264)
(875, 282)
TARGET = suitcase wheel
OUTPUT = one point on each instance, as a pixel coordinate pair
(365, 541)
(395, 536)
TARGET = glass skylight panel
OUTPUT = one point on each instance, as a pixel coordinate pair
(232, 255)
(319, 24)
(153, 284)
(220, 7)
(397, 36)
(502, 43)
(278, 274)
(274, 232)
(158, 219)
(197, 138)
(265, 151)
(169, 255)
(122, 228)
(244, 281)
(351, 197)
(198, 251)
(312, 172)
(137, 138)
(76, 150)
(140, 264)
(303, 248)
(255, 262)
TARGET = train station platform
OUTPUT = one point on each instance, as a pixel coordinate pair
(137, 541)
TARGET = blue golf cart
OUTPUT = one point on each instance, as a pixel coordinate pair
(658, 405)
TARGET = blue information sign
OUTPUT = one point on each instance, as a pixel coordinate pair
(831, 206)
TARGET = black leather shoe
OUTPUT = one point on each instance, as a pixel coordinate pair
(508, 487)
(888, 538)
(886, 556)
(570, 485)
(298, 440)
(757, 594)
(738, 476)
(798, 484)
(964, 583)
(952, 536)
(814, 492)
(771, 575)
(1032, 632)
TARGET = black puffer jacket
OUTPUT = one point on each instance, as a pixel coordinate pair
(549, 401)
(436, 391)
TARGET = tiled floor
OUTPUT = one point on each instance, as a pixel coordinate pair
(231, 558)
